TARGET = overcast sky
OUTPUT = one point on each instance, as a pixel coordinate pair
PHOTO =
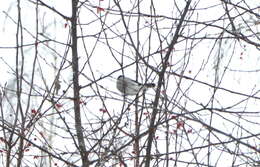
(236, 61)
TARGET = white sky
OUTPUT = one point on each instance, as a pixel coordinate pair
(103, 62)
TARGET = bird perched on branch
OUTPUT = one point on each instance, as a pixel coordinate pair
(130, 87)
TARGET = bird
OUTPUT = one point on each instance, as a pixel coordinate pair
(129, 87)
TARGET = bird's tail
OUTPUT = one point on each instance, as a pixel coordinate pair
(150, 85)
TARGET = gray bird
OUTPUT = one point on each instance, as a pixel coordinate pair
(130, 87)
